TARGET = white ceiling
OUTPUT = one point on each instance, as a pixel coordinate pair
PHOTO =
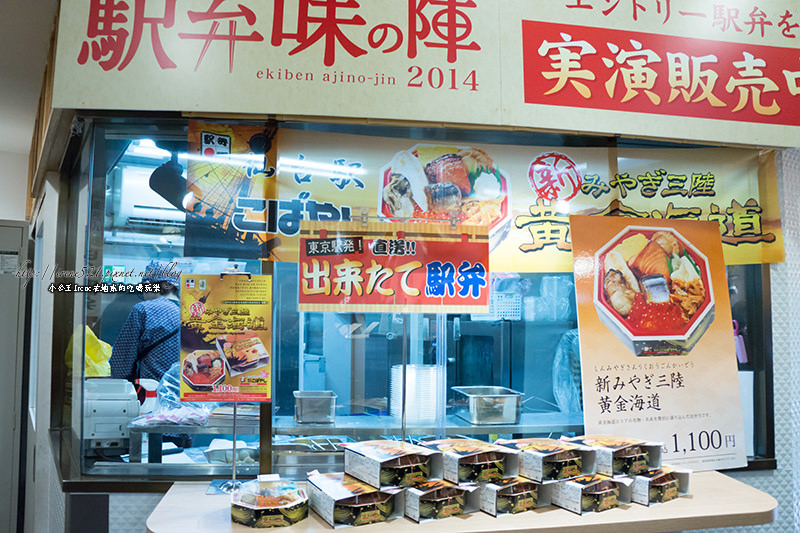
(25, 29)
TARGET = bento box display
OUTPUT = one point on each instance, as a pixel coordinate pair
(342, 500)
(514, 495)
(439, 499)
(660, 485)
(203, 369)
(242, 352)
(551, 459)
(594, 493)
(268, 502)
(390, 463)
(474, 461)
(621, 456)
(652, 289)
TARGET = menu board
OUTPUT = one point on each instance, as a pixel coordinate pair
(226, 338)
(655, 334)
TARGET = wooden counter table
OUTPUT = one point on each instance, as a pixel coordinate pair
(715, 500)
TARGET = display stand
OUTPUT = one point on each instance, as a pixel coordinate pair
(231, 485)
(715, 500)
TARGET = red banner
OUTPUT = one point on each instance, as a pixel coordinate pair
(600, 68)
(393, 267)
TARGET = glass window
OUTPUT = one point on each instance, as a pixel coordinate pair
(337, 377)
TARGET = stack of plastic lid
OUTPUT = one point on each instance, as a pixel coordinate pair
(423, 390)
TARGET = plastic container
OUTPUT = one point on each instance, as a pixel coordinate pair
(314, 407)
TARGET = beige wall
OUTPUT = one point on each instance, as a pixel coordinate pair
(13, 185)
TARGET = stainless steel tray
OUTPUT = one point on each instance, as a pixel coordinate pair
(488, 405)
(314, 407)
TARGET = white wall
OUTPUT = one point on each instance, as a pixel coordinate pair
(13, 185)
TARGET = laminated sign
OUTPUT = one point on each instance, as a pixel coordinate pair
(655, 334)
(393, 267)
(226, 338)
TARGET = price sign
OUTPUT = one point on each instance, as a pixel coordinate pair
(655, 331)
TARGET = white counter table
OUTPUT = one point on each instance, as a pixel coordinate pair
(715, 500)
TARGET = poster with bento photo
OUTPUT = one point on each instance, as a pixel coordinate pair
(226, 338)
(655, 332)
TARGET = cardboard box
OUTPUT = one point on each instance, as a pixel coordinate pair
(621, 456)
(441, 499)
(475, 461)
(342, 500)
(550, 459)
(592, 493)
(660, 485)
(514, 495)
(391, 463)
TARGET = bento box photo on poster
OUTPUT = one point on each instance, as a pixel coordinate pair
(443, 182)
(652, 289)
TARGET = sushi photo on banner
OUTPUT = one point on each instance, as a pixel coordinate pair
(231, 180)
(226, 335)
(655, 329)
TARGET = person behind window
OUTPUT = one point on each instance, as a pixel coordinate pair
(149, 341)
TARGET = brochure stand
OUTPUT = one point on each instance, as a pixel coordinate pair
(233, 484)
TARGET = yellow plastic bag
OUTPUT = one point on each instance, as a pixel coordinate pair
(97, 354)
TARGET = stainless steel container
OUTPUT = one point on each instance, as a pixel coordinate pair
(314, 406)
(488, 405)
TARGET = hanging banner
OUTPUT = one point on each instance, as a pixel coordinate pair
(230, 190)
(380, 267)
(652, 68)
(524, 195)
(226, 338)
(655, 332)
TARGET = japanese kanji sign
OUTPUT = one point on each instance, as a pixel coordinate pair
(658, 68)
(435, 268)
(226, 338)
(655, 330)
(523, 195)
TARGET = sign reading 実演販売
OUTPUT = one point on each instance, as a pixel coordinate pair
(668, 69)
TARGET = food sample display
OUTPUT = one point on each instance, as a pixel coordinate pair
(513, 495)
(653, 290)
(551, 459)
(243, 351)
(443, 182)
(472, 461)
(621, 456)
(263, 504)
(342, 500)
(202, 369)
(390, 463)
(592, 493)
(439, 499)
(660, 485)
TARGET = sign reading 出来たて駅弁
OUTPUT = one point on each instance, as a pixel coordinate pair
(724, 71)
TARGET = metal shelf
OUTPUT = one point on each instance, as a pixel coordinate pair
(360, 426)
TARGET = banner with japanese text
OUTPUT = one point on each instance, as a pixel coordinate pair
(723, 72)
(230, 168)
(226, 338)
(655, 331)
(384, 267)
(524, 194)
